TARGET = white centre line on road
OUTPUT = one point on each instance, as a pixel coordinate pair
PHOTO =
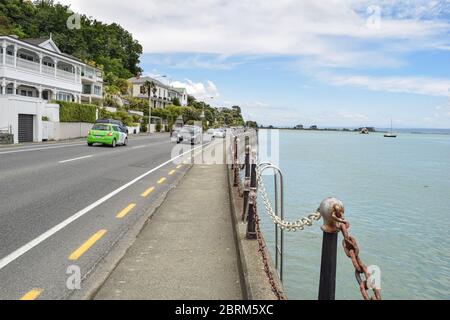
(51, 146)
(75, 159)
(33, 243)
(139, 147)
(42, 148)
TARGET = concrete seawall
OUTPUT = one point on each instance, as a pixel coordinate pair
(254, 279)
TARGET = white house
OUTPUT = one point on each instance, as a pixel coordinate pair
(179, 93)
(160, 94)
(33, 72)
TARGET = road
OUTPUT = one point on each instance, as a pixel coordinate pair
(67, 205)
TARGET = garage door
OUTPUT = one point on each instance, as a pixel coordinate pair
(25, 128)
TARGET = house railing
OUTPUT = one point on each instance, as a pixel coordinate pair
(27, 65)
(48, 70)
(65, 75)
(9, 60)
(35, 68)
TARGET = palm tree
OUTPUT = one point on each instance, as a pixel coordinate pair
(149, 88)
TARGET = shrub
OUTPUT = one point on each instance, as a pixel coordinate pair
(158, 127)
(120, 115)
(76, 112)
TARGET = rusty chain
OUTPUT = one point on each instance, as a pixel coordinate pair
(351, 249)
(265, 257)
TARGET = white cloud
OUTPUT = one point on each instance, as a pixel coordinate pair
(201, 91)
(328, 31)
(415, 85)
(441, 116)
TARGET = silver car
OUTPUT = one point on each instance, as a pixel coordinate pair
(190, 134)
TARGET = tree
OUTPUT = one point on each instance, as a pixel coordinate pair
(176, 101)
(190, 100)
(108, 44)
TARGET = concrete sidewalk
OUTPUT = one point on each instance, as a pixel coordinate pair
(187, 249)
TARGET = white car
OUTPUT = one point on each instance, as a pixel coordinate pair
(219, 133)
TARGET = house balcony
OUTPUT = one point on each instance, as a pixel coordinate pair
(36, 68)
(91, 76)
(28, 65)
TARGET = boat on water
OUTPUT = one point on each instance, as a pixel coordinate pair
(390, 134)
(364, 131)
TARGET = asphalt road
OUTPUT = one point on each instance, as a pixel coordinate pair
(66, 206)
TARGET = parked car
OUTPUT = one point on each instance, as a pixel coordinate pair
(190, 134)
(219, 133)
(122, 127)
(107, 133)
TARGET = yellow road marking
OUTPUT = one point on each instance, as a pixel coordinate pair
(179, 166)
(125, 211)
(161, 180)
(147, 192)
(172, 172)
(31, 295)
(85, 246)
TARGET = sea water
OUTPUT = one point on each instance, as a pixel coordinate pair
(396, 194)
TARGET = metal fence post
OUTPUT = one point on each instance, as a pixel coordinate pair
(251, 224)
(327, 285)
(246, 181)
(235, 163)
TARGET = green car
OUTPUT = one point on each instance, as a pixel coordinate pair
(107, 133)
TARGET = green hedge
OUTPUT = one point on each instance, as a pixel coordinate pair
(76, 112)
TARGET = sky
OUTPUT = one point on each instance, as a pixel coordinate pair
(331, 63)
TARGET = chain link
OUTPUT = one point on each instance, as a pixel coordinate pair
(351, 249)
(299, 224)
(265, 257)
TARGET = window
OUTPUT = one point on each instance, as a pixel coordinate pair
(97, 90)
(26, 57)
(26, 93)
(63, 96)
(100, 127)
(48, 64)
(142, 90)
(87, 89)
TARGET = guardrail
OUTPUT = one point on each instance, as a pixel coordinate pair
(6, 129)
(331, 210)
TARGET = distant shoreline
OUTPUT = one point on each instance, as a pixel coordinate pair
(382, 130)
